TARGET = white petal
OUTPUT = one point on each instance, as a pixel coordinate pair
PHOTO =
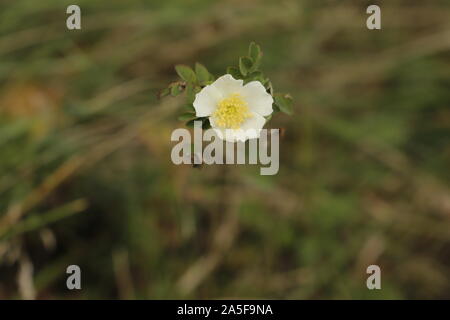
(258, 99)
(255, 122)
(252, 126)
(227, 85)
(206, 101)
(250, 129)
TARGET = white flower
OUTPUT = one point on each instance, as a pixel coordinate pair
(236, 112)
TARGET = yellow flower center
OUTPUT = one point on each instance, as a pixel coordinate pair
(231, 112)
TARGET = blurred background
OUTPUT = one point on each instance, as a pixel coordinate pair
(86, 176)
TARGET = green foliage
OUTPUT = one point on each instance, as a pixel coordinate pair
(234, 72)
(176, 89)
(186, 73)
(245, 66)
(284, 103)
(203, 75)
(187, 116)
(247, 70)
(255, 54)
(204, 120)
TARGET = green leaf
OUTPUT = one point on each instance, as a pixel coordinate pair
(284, 102)
(190, 123)
(164, 92)
(234, 72)
(186, 116)
(245, 65)
(254, 51)
(186, 73)
(175, 89)
(190, 108)
(276, 108)
(255, 76)
(206, 124)
(203, 75)
(190, 92)
(204, 120)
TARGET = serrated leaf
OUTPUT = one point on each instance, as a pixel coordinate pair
(284, 102)
(245, 65)
(234, 72)
(186, 73)
(202, 73)
(254, 51)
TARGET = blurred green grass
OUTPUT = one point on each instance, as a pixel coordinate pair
(86, 176)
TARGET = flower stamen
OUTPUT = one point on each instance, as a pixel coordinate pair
(231, 112)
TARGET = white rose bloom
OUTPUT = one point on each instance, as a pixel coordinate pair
(236, 112)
